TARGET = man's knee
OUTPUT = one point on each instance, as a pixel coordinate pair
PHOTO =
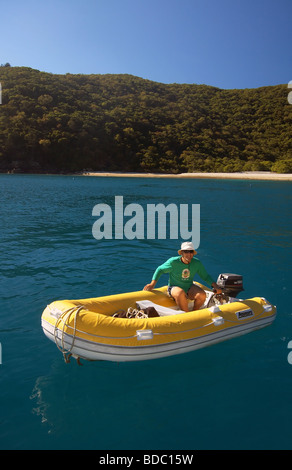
(177, 292)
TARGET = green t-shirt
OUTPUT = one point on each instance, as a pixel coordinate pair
(181, 274)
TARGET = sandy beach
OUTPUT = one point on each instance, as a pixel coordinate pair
(249, 175)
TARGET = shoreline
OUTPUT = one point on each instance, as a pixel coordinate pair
(247, 175)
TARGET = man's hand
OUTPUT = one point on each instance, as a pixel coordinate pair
(150, 286)
(216, 288)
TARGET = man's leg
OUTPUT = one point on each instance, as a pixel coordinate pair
(180, 297)
(198, 295)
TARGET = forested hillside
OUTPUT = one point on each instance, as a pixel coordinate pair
(69, 123)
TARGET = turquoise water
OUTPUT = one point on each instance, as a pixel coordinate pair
(234, 395)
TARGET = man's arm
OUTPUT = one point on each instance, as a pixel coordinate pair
(163, 268)
(206, 277)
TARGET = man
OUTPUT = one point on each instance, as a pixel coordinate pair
(182, 270)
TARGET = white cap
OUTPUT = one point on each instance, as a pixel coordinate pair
(187, 246)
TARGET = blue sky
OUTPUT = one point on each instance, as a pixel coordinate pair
(223, 43)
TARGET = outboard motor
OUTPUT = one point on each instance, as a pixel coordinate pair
(231, 284)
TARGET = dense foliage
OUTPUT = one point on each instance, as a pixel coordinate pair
(125, 123)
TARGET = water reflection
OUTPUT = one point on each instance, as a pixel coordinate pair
(106, 405)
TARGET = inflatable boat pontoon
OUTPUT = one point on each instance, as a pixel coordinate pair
(87, 328)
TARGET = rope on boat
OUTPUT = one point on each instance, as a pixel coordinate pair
(131, 313)
(64, 317)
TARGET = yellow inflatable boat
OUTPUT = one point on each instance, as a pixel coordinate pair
(88, 328)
